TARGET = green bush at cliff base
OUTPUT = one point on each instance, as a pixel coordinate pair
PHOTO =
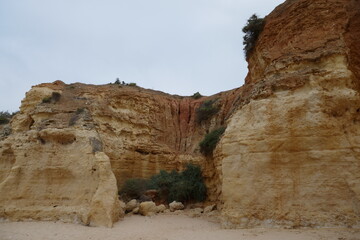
(183, 186)
(134, 188)
(208, 144)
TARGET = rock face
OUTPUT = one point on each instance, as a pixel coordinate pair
(69, 143)
(289, 155)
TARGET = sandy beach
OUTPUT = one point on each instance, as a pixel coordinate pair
(162, 227)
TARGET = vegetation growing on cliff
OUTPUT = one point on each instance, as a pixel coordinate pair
(208, 144)
(117, 82)
(55, 97)
(172, 186)
(206, 110)
(4, 117)
(252, 30)
(196, 95)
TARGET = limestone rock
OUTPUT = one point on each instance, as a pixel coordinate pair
(135, 210)
(123, 206)
(160, 208)
(131, 205)
(176, 206)
(290, 152)
(48, 166)
(289, 155)
(147, 208)
(209, 208)
(105, 205)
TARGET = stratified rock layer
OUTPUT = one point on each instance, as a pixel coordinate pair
(73, 146)
(291, 155)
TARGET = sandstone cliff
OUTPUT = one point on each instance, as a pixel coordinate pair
(72, 145)
(289, 155)
(291, 150)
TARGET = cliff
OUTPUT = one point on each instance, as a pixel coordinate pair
(71, 143)
(289, 155)
(292, 150)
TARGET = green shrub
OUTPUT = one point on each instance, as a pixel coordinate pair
(5, 117)
(134, 188)
(172, 186)
(196, 95)
(206, 110)
(3, 120)
(252, 30)
(132, 84)
(208, 144)
(189, 186)
(6, 114)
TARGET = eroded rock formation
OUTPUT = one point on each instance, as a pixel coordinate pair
(289, 155)
(292, 151)
(72, 145)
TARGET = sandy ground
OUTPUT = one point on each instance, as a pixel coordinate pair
(163, 227)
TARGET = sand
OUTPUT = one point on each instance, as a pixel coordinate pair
(163, 227)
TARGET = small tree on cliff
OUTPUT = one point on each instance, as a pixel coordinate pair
(252, 30)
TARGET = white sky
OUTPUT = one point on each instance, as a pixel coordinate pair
(176, 46)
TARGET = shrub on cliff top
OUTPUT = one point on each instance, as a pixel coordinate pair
(208, 144)
(252, 30)
(196, 95)
(3, 120)
(5, 117)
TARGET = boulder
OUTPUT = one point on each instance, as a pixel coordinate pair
(176, 206)
(135, 211)
(147, 208)
(161, 208)
(131, 205)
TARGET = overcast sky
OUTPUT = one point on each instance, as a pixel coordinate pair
(176, 46)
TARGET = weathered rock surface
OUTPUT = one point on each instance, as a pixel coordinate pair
(176, 206)
(160, 208)
(291, 153)
(131, 205)
(148, 208)
(49, 167)
(209, 208)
